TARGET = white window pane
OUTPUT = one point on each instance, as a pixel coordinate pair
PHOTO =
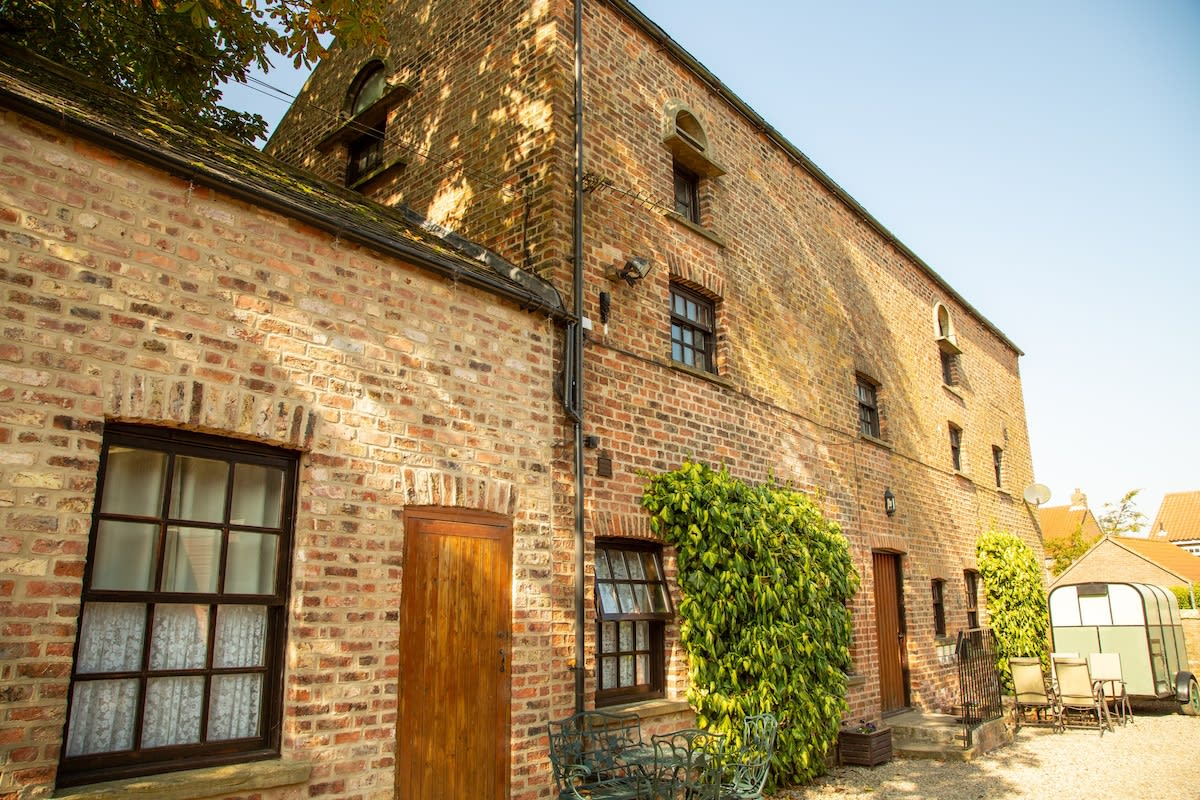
(643, 669)
(608, 599)
(241, 636)
(626, 636)
(643, 635)
(608, 637)
(180, 638)
(172, 715)
(133, 482)
(625, 593)
(635, 567)
(618, 565)
(191, 559)
(641, 596)
(608, 676)
(628, 678)
(198, 491)
(234, 711)
(102, 716)
(110, 638)
(124, 556)
(257, 496)
(250, 563)
(602, 564)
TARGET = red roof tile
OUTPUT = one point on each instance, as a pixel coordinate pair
(1178, 518)
(1170, 557)
(1060, 522)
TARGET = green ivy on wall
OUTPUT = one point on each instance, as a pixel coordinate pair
(1016, 598)
(764, 581)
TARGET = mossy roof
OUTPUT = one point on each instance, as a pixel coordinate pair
(135, 128)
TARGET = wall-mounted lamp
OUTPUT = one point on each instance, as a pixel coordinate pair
(634, 270)
(889, 502)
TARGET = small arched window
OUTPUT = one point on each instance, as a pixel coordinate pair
(365, 149)
(366, 88)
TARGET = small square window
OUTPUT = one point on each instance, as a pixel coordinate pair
(868, 408)
(939, 607)
(956, 454)
(364, 154)
(998, 465)
(632, 607)
(687, 194)
(693, 333)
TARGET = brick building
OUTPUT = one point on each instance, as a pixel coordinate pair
(741, 309)
(234, 403)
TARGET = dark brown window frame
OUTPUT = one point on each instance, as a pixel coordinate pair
(866, 392)
(938, 588)
(701, 326)
(956, 454)
(998, 465)
(140, 761)
(971, 586)
(655, 685)
(687, 192)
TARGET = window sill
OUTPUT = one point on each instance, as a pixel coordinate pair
(866, 437)
(660, 707)
(954, 390)
(856, 681)
(196, 783)
(958, 473)
(679, 219)
(362, 183)
(699, 373)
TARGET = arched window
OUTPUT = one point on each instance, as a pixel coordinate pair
(366, 88)
(365, 150)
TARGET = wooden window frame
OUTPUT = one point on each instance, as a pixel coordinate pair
(956, 452)
(866, 392)
(687, 193)
(938, 588)
(971, 586)
(700, 325)
(654, 685)
(139, 760)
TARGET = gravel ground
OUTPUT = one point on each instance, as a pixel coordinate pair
(1154, 756)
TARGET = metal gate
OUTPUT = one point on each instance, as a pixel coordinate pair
(978, 680)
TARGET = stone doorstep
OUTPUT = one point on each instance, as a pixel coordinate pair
(916, 734)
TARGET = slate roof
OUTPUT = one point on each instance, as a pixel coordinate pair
(64, 99)
(1178, 518)
(1060, 522)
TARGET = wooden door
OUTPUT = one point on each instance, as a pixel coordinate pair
(453, 727)
(889, 628)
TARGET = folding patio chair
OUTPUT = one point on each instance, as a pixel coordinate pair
(1033, 694)
(1105, 669)
(1080, 697)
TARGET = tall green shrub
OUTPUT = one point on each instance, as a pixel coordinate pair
(764, 581)
(1016, 598)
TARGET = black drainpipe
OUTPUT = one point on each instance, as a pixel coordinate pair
(576, 345)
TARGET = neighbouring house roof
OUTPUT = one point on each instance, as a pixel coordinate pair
(1060, 522)
(1178, 518)
(1170, 557)
(135, 128)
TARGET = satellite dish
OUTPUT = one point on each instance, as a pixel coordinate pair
(1036, 494)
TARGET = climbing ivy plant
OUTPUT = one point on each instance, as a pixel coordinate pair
(764, 581)
(1016, 598)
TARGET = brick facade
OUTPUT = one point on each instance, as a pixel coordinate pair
(133, 295)
(809, 291)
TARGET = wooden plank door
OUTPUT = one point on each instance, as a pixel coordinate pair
(453, 727)
(889, 628)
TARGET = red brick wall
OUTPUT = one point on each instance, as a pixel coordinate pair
(808, 294)
(131, 295)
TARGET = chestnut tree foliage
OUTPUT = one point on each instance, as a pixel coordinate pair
(764, 581)
(178, 53)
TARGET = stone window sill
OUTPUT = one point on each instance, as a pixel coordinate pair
(651, 708)
(875, 441)
(712, 236)
(194, 784)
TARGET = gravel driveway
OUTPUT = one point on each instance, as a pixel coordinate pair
(1154, 756)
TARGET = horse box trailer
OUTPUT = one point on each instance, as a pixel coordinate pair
(1137, 620)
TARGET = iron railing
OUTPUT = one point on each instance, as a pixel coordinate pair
(978, 680)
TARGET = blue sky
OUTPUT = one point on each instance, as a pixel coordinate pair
(1042, 157)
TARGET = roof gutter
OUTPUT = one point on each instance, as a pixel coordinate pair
(176, 165)
(721, 90)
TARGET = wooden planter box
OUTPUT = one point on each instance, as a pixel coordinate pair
(865, 749)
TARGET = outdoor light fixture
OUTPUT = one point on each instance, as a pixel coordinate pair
(889, 502)
(634, 270)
